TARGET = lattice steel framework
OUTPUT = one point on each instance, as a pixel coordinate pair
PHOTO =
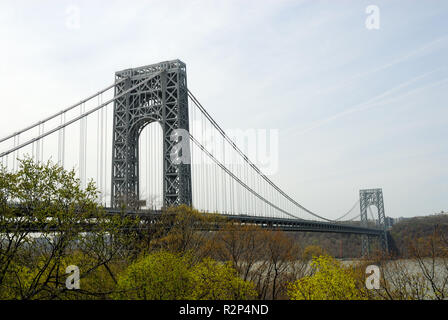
(161, 96)
(367, 198)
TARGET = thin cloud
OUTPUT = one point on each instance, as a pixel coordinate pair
(424, 49)
(373, 102)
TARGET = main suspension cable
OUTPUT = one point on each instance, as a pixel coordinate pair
(246, 159)
(85, 114)
(237, 179)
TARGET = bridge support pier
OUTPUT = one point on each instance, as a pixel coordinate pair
(159, 95)
(368, 197)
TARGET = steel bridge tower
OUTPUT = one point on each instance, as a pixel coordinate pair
(163, 98)
(367, 198)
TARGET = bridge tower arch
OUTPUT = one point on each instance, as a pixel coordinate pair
(162, 98)
(368, 197)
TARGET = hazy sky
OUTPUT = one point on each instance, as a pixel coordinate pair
(356, 107)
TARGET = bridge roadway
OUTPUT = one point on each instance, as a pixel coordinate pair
(293, 225)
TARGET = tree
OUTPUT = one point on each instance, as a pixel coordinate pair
(330, 281)
(431, 255)
(424, 275)
(217, 281)
(242, 245)
(184, 229)
(48, 221)
(282, 254)
(172, 276)
(274, 263)
(312, 251)
(158, 276)
(401, 281)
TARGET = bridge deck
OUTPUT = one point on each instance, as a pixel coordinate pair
(293, 225)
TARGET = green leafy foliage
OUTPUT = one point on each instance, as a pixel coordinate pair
(158, 276)
(48, 222)
(170, 276)
(45, 197)
(217, 281)
(312, 251)
(330, 281)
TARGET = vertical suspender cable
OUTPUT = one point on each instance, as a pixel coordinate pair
(14, 155)
(42, 144)
(98, 149)
(63, 117)
(192, 169)
(224, 176)
(38, 145)
(81, 148)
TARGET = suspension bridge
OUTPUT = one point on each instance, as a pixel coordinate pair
(149, 144)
